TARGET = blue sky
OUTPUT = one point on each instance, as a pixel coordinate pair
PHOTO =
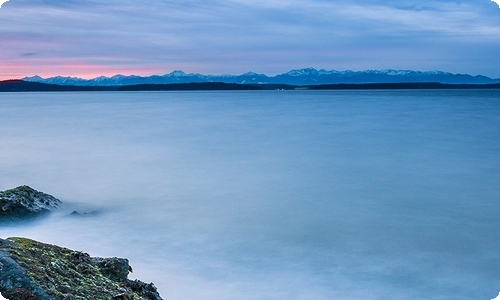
(92, 38)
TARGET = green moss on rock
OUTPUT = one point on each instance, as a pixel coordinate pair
(34, 270)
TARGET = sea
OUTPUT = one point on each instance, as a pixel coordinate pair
(251, 195)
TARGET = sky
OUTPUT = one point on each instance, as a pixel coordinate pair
(107, 37)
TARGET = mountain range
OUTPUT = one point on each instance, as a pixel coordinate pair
(306, 76)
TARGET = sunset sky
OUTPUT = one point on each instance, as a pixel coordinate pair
(92, 38)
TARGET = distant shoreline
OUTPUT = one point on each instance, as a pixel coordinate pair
(27, 86)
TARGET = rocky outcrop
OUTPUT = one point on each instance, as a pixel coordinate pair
(30, 270)
(25, 202)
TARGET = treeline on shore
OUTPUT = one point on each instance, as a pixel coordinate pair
(27, 86)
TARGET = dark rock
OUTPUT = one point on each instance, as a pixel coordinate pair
(114, 268)
(84, 214)
(25, 202)
(33, 270)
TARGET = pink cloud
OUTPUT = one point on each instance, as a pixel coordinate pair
(16, 70)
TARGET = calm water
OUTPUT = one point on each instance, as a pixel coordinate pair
(270, 195)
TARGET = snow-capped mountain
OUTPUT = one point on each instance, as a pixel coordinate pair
(306, 76)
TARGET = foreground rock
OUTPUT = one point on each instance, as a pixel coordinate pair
(30, 270)
(25, 202)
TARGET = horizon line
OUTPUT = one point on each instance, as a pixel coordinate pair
(248, 72)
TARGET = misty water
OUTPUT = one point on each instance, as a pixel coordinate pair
(269, 195)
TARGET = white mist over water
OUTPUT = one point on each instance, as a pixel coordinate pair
(269, 195)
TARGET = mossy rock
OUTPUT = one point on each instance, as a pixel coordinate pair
(25, 202)
(30, 270)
